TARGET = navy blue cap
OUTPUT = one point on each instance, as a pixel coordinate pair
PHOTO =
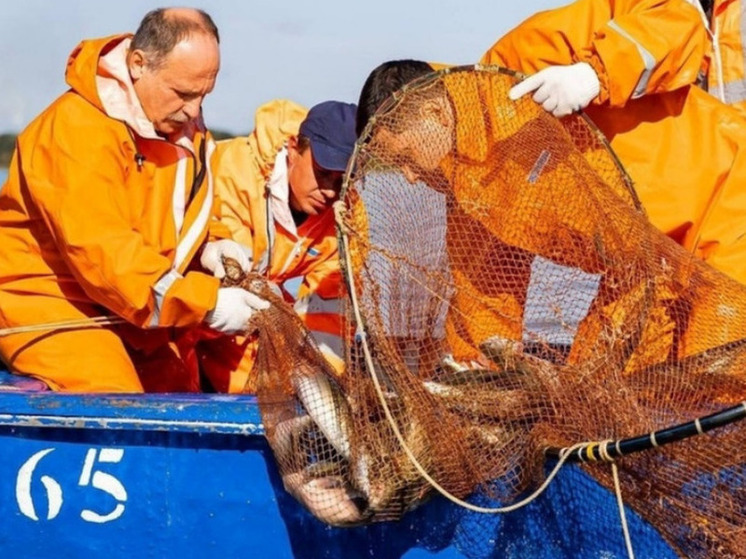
(330, 126)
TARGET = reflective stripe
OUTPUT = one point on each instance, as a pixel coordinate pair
(159, 290)
(647, 59)
(735, 91)
(329, 344)
(194, 234)
(314, 304)
(179, 196)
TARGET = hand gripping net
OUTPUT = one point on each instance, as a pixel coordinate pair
(507, 296)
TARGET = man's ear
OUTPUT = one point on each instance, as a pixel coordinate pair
(436, 109)
(136, 64)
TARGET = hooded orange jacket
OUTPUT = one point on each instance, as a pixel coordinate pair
(96, 219)
(250, 192)
(683, 149)
(725, 67)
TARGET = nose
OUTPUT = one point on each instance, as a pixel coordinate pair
(329, 193)
(331, 184)
(192, 107)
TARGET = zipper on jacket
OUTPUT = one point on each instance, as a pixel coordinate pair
(199, 178)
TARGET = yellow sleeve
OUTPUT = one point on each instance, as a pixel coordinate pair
(637, 47)
(236, 173)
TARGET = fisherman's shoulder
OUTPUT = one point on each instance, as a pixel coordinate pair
(72, 120)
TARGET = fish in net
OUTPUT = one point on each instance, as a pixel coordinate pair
(508, 299)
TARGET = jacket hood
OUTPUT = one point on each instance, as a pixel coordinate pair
(274, 122)
(83, 66)
(97, 70)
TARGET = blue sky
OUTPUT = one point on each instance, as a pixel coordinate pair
(298, 49)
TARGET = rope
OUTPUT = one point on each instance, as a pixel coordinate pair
(622, 515)
(63, 325)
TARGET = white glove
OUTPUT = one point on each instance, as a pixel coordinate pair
(213, 253)
(234, 309)
(561, 90)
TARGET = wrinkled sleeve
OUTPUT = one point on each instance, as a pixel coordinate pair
(218, 230)
(637, 47)
(78, 187)
(325, 280)
(233, 168)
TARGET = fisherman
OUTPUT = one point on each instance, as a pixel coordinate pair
(422, 140)
(632, 65)
(109, 197)
(276, 189)
(652, 101)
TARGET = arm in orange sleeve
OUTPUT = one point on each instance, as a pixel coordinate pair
(234, 168)
(636, 47)
(325, 280)
(76, 179)
(218, 229)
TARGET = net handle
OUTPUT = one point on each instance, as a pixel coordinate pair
(608, 451)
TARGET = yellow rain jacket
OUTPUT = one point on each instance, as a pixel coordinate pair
(683, 148)
(303, 261)
(100, 216)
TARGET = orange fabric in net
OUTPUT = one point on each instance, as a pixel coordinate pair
(513, 298)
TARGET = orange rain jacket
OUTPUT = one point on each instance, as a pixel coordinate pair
(726, 59)
(245, 178)
(97, 218)
(683, 148)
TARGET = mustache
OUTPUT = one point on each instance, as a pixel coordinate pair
(180, 118)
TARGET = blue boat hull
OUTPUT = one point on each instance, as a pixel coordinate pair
(192, 476)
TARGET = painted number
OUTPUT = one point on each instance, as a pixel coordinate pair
(104, 482)
(23, 489)
(89, 476)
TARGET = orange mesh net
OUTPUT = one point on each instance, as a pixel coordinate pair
(506, 296)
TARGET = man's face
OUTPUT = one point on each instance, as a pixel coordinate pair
(420, 146)
(171, 94)
(312, 188)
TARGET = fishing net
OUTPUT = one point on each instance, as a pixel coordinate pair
(506, 295)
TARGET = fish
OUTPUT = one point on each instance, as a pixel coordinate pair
(327, 407)
(328, 498)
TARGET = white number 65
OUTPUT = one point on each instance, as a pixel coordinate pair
(98, 479)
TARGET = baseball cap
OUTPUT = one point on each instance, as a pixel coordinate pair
(330, 127)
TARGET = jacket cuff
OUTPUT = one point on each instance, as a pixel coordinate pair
(187, 300)
(603, 78)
